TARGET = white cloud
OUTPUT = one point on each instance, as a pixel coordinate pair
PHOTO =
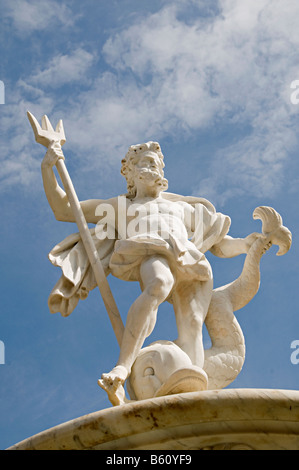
(64, 68)
(172, 77)
(235, 69)
(20, 158)
(34, 15)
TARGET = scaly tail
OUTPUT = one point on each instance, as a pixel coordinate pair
(225, 359)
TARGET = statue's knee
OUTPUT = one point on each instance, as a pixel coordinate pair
(160, 287)
(195, 323)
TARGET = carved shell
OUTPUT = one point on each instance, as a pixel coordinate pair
(282, 238)
(273, 228)
(271, 220)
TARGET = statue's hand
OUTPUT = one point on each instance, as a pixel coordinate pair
(53, 154)
(251, 239)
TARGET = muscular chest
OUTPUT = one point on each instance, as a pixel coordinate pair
(153, 209)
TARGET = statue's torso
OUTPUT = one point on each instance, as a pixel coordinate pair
(158, 216)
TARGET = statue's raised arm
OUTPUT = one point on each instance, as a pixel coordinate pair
(51, 139)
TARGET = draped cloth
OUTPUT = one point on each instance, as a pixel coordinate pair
(122, 257)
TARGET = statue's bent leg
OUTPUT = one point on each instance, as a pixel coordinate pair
(191, 303)
(157, 281)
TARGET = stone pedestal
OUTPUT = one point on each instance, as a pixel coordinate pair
(261, 419)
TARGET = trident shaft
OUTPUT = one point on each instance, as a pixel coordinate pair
(45, 135)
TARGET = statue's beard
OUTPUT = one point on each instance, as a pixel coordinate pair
(149, 175)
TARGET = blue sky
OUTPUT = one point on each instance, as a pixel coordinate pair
(211, 82)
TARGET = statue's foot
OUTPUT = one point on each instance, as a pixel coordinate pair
(113, 383)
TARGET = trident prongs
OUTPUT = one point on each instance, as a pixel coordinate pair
(46, 123)
(45, 133)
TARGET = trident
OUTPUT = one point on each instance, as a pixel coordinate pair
(45, 135)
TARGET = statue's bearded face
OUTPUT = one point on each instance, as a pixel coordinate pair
(143, 163)
(148, 168)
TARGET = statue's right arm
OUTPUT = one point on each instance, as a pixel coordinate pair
(57, 197)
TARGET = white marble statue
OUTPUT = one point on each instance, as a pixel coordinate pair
(158, 239)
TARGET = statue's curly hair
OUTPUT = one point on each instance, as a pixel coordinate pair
(133, 154)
